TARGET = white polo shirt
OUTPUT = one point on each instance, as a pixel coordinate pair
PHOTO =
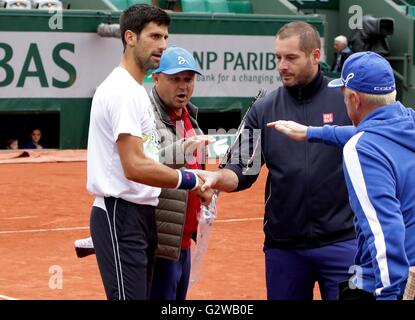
(120, 105)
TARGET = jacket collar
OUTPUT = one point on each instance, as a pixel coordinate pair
(387, 113)
(307, 91)
(162, 109)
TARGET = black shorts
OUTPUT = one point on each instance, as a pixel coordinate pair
(125, 240)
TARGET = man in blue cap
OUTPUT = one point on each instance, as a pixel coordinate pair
(379, 166)
(177, 212)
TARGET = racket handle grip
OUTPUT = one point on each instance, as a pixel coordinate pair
(410, 285)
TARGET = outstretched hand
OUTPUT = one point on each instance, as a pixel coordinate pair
(291, 129)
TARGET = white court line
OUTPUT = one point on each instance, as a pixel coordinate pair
(84, 228)
(239, 220)
(43, 230)
(18, 218)
(7, 298)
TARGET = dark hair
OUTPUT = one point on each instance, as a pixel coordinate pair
(309, 36)
(10, 141)
(136, 18)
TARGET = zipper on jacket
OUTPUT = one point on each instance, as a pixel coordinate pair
(307, 181)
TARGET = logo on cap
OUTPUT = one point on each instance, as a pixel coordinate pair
(389, 88)
(367, 72)
(175, 60)
(182, 60)
(349, 77)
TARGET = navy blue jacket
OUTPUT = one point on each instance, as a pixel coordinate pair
(306, 201)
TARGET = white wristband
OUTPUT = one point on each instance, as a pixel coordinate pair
(180, 179)
(197, 182)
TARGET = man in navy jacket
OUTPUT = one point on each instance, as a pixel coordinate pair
(379, 163)
(308, 223)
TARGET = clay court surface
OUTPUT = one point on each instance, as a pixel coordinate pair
(45, 207)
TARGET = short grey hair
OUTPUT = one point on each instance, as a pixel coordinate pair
(377, 100)
(341, 39)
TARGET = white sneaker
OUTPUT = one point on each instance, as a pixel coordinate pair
(84, 247)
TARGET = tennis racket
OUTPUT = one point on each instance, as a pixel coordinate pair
(410, 285)
(227, 157)
(208, 213)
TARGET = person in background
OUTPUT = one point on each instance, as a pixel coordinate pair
(12, 144)
(35, 135)
(341, 54)
(170, 4)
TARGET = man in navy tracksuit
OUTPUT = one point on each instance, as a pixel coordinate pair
(379, 162)
(308, 223)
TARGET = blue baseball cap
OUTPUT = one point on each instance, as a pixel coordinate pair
(366, 72)
(175, 60)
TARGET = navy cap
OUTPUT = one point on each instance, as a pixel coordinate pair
(175, 60)
(366, 72)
